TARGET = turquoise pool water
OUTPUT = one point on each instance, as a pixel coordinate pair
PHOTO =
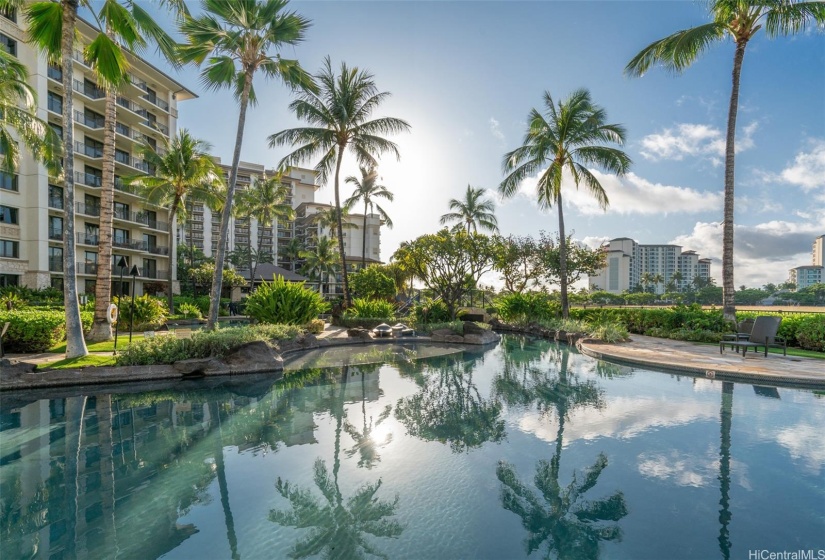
(525, 449)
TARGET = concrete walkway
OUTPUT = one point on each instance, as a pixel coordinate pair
(704, 360)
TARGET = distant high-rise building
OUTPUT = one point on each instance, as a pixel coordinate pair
(804, 276)
(819, 251)
(627, 261)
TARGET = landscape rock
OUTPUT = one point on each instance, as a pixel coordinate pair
(252, 357)
(359, 332)
(442, 332)
(486, 337)
(193, 367)
(10, 370)
(472, 328)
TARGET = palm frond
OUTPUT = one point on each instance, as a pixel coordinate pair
(678, 51)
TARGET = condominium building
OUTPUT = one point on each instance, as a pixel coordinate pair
(626, 262)
(818, 256)
(32, 203)
(804, 276)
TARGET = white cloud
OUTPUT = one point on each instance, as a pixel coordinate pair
(762, 253)
(694, 140)
(631, 194)
(496, 129)
(594, 242)
(808, 169)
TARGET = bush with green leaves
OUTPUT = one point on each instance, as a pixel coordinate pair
(149, 312)
(810, 333)
(427, 328)
(430, 311)
(608, 331)
(203, 344)
(371, 309)
(372, 283)
(286, 303)
(316, 326)
(36, 330)
(189, 311)
(518, 307)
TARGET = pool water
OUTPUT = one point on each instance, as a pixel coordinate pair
(524, 449)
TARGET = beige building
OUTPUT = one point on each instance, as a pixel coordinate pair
(818, 256)
(31, 202)
(808, 275)
(627, 261)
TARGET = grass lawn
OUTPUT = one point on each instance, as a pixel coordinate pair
(799, 352)
(108, 346)
(85, 361)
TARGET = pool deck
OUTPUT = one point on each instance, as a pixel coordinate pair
(704, 360)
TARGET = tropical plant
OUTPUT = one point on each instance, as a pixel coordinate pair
(236, 37)
(327, 221)
(202, 276)
(566, 139)
(184, 172)
(291, 251)
(321, 263)
(370, 309)
(265, 201)
(367, 190)
(286, 303)
(339, 120)
(472, 211)
(147, 312)
(18, 102)
(373, 283)
(190, 311)
(524, 307)
(740, 20)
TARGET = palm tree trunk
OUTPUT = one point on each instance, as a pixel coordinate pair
(101, 328)
(220, 255)
(223, 487)
(726, 417)
(364, 239)
(249, 249)
(173, 212)
(565, 309)
(339, 219)
(728, 291)
(75, 344)
(258, 260)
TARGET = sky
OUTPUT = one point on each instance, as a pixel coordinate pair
(465, 75)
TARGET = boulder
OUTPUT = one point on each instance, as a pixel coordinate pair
(472, 328)
(9, 369)
(452, 337)
(443, 332)
(193, 367)
(359, 332)
(487, 337)
(573, 337)
(252, 357)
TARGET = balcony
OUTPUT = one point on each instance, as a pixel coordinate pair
(137, 82)
(87, 268)
(78, 56)
(56, 202)
(163, 129)
(143, 218)
(154, 274)
(92, 210)
(91, 91)
(55, 264)
(88, 121)
(55, 73)
(55, 234)
(157, 250)
(89, 151)
(55, 105)
(131, 161)
(157, 102)
(132, 106)
(88, 239)
(88, 179)
(128, 244)
(121, 214)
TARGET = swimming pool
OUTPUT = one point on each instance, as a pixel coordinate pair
(524, 449)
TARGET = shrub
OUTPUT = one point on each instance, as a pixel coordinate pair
(430, 311)
(285, 303)
(456, 326)
(203, 344)
(371, 283)
(190, 311)
(316, 326)
(149, 312)
(371, 309)
(608, 331)
(36, 330)
(526, 307)
(810, 333)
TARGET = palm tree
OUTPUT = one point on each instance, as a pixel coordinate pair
(740, 20)
(265, 200)
(339, 120)
(565, 139)
(327, 221)
(366, 190)
(18, 101)
(52, 30)
(124, 27)
(320, 263)
(184, 171)
(236, 36)
(657, 279)
(472, 211)
(677, 278)
(646, 279)
(291, 251)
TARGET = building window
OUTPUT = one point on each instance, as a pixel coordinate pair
(8, 181)
(57, 130)
(8, 44)
(55, 228)
(55, 103)
(121, 211)
(56, 259)
(9, 215)
(89, 286)
(9, 13)
(55, 197)
(150, 268)
(151, 241)
(9, 280)
(9, 249)
(57, 282)
(121, 236)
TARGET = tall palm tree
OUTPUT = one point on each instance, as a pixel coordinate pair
(265, 201)
(646, 279)
(51, 24)
(327, 220)
(18, 102)
(291, 251)
(236, 37)
(320, 263)
(472, 211)
(367, 190)
(740, 20)
(184, 171)
(566, 139)
(125, 26)
(677, 278)
(658, 279)
(338, 118)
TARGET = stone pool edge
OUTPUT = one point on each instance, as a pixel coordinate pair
(100, 375)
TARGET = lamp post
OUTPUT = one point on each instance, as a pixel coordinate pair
(134, 273)
(122, 265)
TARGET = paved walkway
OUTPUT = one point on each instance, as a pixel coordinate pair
(705, 360)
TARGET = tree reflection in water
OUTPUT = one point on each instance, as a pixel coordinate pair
(449, 407)
(365, 443)
(558, 518)
(338, 527)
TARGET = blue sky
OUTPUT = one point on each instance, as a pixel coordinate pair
(465, 74)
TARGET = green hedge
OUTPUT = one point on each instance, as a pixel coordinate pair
(37, 330)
